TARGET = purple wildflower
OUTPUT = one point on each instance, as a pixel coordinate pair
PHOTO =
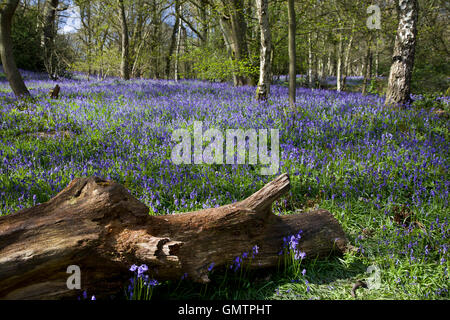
(133, 268)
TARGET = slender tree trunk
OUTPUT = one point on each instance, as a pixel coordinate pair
(172, 39)
(263, 89)
(48, 36)
(204, 22)
(399, 84)
(177, 52)
(135, 71)
(329, 64)
(156, 33)
(226, 32)
(89, 40)
(366, 68)
(339, 65)
(316, 65)
(377, 56)
(124, 69)
(347, 65)
(310, 62)
(238, 27)
(291, 49)
(13, 75)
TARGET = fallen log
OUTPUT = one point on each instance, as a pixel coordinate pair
(99, 226)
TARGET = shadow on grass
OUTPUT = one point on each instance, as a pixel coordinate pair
(257, 284)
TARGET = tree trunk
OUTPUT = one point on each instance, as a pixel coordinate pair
(310, 62)
(226, 32)
(48, 36)
(204, 22)
(291, 49)
(13, 75)
(124, 69)
(339, 65)
(100, 227)
(172, 39)
(367, 68)
(377, 56)
(177, 51)
(398, 91)
(329, 64)
(263, 89)
(238, 39)
(347, 65)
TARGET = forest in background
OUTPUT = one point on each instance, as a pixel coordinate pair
(219, 40)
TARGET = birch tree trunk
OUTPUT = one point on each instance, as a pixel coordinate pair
(347, 66)
(377, 56)
(329, 64)
(263, 89)
(399, 84)
(339, 64)
(310, 62)
(13, 75)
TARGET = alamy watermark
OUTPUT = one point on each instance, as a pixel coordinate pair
(256, 140)
(73, 281)
(374, 280)
(374, 20)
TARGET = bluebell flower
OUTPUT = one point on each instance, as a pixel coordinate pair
(133, 268)
(142, 269)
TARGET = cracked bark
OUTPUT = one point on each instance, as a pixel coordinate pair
(99, 226)
(398, 91)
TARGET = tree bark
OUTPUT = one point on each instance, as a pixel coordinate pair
(339, 64)
(347, 65)
(226, 32)
(177, 51)
(263, 89)
(100, 227)
(330, 70)
(124, 68)
(172, 39)
(204, 22)
(6, 49)
(366, 69)
(310, 62)
(399, 84)
(291, 49)
(237, 30)
(48, 36)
